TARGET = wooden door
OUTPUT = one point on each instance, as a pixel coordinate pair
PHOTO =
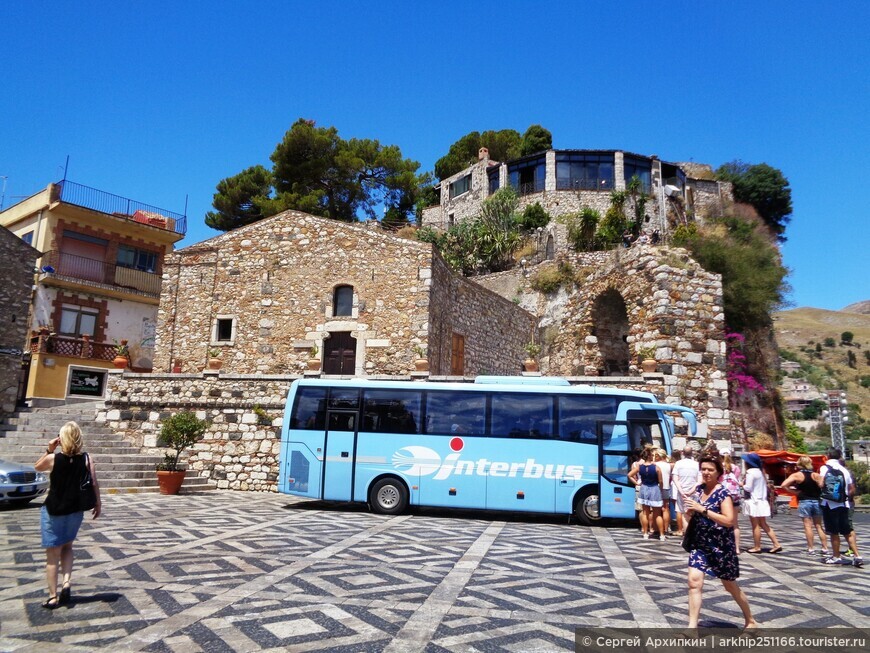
(339, 354)
(457, 355)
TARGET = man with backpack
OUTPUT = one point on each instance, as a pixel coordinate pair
(836, 482)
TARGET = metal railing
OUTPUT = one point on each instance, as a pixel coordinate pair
(529, 187)
(584, 184)
(121, 207)
(80, 268)
(51, 343)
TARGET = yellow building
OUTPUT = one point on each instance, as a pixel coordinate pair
(96, 285)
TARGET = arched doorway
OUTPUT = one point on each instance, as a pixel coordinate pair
(551, 248)
(610, 324)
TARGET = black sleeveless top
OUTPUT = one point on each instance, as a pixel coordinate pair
(66, 480)
(808, 489)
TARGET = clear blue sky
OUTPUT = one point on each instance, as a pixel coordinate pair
(160, 100)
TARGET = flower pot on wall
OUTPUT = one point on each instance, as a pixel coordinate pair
(314, 364)
(530, 365)
(421, 364)
(648, 365)
(170, 482)
(120, 362)
(214, 363)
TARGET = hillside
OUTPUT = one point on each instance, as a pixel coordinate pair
(858, 307)
(802, 334)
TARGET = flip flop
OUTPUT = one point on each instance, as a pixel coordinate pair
(753, 550)
(776, 550)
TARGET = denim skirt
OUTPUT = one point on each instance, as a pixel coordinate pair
(59, 529)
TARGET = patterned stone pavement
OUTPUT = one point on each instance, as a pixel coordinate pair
(228, 571)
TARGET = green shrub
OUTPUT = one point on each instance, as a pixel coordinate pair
(532, 217)
(179, 432)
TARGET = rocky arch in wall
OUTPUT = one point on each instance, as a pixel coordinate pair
(611, 329)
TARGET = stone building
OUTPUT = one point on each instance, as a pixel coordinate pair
(17, 261)
(97, 282)
(566, 181)
(269, 297)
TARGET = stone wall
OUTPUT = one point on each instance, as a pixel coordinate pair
(240, 449)
(495, 329)
(671, 305)
(276, 278)
(17, 262)
(709, 198)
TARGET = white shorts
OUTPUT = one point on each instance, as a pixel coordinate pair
(756, 508)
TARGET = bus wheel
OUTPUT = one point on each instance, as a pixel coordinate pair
(586, 508)
(389, 496)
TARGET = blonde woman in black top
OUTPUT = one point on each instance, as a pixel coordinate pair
(61, 515)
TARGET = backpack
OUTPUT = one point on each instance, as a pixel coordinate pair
(834, 488)
(733, 487)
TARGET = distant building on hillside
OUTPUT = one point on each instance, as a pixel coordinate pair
(566, 181)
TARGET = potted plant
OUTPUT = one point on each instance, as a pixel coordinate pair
(214, 361)
(647, 357)
(421, 363)
(178, 432)
(533, 349)
(122, 355)
(313, 360)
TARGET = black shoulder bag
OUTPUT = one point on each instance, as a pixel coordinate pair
(690, 535)
(87, 494)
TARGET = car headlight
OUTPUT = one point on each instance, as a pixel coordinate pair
(4, 478)
(41, 477)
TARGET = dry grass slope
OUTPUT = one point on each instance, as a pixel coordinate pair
(797, 327)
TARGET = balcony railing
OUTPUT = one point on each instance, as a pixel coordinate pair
(527, 188)
(79, 268)
(50, 343)
(120, 207)
(584, 184)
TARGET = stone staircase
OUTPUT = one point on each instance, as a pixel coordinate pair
(120, 466)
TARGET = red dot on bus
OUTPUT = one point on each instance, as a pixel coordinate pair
(456, 444)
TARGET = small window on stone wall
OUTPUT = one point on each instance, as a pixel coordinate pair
(223, 331)
(342, 304)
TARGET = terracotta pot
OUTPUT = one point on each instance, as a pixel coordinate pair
(170, 482)
(421, 364)
(176, 367)
(530, 365)
(120, 362)
(314, 364)
(648, 365)
(214, 363)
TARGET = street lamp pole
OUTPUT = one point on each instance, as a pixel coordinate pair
(837, 416)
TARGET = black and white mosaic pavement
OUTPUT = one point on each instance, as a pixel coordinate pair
(232, 571)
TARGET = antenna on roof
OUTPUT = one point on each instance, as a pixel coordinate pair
(65, 167)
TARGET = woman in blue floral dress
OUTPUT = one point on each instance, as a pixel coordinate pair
(714, 552)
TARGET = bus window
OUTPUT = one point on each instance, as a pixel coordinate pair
(342, 421)
(391, 411)
(646, 433)
(455, 413)
(343, 399)
(522, 415)
(309, 411)
(578, 415)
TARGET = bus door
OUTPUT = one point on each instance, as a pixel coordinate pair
(615, 490)
(339, 455)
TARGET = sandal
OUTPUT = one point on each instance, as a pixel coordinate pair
(776, 550)
(753, 550)
(53, 603)
(64, 594)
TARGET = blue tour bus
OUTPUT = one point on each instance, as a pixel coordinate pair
(534, 444)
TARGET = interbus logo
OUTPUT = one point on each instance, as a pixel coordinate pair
(422, 461)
